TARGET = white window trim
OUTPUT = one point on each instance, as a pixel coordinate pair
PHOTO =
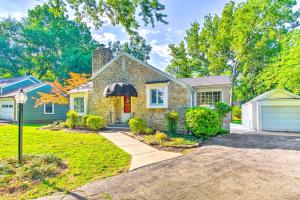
(52, 113)
(85, 100)
(164, 87)
(84, 105)
(208, 90)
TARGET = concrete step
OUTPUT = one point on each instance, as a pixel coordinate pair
(118, 127)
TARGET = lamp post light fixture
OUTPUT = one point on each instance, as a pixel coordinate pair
(20, 98)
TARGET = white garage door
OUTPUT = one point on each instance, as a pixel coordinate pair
(277, 118)
(7, 110)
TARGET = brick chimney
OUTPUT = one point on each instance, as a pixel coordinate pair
(101, 56)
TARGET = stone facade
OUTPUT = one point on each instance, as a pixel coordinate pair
(127, 70)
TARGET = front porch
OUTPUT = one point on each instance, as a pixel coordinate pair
(121, 97)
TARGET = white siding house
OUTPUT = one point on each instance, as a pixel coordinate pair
(276, 110)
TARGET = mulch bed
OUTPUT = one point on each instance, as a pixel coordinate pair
(177, 149)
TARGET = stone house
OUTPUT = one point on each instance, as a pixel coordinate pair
(124, 86)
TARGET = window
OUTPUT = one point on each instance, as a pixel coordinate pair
(208, 98)
(49, 108)
(79, 104)
(7, 106)
(157, 96)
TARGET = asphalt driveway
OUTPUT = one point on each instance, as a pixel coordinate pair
(238, 166)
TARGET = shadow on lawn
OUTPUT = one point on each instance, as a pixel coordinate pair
(258, 141)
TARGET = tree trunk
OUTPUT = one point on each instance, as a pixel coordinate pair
(233, 79)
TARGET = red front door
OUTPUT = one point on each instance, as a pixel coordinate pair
(127, 104)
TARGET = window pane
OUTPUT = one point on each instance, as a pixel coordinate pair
(153, 97)
(160, 96)
(79, 104)
(48, 108)
(208, 98)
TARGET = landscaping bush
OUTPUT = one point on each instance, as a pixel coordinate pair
(148, 131)
(84, 120)
(171, 120)
(222, 109)
(137, 125)
(203, 122)
(161, 136)
(72, 119)
(152, 140)
(95, 123)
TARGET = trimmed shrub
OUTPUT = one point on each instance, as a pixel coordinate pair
(203, 122)
(171, 120)
(95, 123)
(152, 140)
(148, 131)
(161, 136)
(137, 125)
(72, 119)
(222, 109)
(84, 120)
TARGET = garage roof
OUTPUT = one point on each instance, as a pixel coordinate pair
(271, 92)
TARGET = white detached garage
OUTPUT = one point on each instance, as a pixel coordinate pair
(276, 110)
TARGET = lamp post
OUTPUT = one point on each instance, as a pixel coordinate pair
(20, 98)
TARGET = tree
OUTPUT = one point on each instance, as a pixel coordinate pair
(284, 71)
(45, 44)
(122, 13)
(59, 93)
(11, 50)
(239, 43)
(136, 46)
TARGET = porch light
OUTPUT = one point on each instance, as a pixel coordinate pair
(20, 98)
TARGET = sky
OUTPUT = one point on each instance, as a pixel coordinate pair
(181, 13)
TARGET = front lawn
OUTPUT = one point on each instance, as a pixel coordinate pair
(87, 157)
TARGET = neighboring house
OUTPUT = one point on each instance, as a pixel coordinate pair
(125, 86)
(31, 86)
(276, 110)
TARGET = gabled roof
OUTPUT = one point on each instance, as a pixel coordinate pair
(142, 63)
(10, 81)
(207, 80)
(26, 89)
(271, 92)
(83, 88)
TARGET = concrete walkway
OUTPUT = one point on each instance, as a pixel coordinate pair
(141, 153)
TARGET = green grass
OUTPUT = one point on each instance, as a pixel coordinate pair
(88, 157)
(237, 121)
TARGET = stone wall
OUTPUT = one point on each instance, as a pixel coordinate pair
(128, 70)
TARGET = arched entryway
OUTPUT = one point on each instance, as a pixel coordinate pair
(120, 95)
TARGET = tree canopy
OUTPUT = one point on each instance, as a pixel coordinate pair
(136, 46)
(126, 13)
(48, 45)
(241, 42)
(45, 44)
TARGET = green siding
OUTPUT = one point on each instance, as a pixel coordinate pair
(36, 115)
(16, 86)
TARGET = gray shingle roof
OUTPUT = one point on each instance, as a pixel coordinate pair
(207, 80)
(7, 81)
(14, 92)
